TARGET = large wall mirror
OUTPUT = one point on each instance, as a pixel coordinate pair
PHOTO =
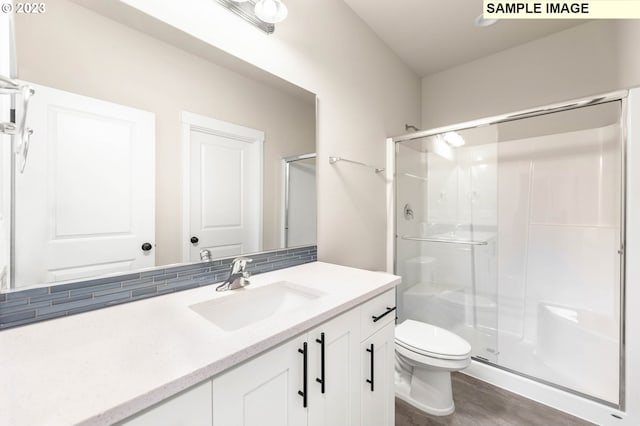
(151, 148)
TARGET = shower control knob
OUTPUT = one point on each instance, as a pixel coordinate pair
(146, 247)
(194, 240)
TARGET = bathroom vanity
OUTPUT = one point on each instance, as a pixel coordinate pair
(308, 345)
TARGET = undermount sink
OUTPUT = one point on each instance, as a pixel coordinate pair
(248, 306)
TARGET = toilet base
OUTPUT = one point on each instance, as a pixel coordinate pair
(424, 408)
(427, 390)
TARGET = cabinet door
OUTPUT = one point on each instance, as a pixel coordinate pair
(192, 407)
(339, 405)
(262, 391)
(377, 398)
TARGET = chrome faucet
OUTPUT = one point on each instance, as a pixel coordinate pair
(238, 277)
(205, 255)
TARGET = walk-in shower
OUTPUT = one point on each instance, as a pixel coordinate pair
(510, 233)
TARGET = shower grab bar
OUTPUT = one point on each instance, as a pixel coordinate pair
(415, 176)
(334, 160)
(446, 241)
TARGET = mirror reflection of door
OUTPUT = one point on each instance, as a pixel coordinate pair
(300, 200)
(223, 212)
(211, 83)
(85, 204)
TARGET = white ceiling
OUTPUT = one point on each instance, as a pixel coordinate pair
(433, 35)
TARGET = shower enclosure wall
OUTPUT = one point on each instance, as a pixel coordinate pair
(510, 234)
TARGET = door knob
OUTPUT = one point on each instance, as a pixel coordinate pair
(194, 240)
(146, 247)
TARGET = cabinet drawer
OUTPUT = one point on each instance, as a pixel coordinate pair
(379, 307)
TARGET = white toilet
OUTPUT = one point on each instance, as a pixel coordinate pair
(425, 357)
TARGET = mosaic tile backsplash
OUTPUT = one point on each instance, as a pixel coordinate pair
(43, 303)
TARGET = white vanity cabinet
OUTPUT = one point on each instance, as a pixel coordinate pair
(284, 386)
(377, 392)
(320, 378)
(269, 390)
(262, 391)
(338, 402)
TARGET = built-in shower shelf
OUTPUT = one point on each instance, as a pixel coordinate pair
(452, 293)
(422, 260)
(445, 240)
(412, 176)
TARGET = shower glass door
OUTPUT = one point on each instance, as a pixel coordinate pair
(559, 239)
(446, 235)
(511, 234)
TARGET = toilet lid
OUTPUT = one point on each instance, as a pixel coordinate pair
(431, 340)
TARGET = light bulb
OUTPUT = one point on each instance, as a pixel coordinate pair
(453, 139)
(483, 22)
(271, 11)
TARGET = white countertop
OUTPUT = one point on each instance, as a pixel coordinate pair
(102, 366)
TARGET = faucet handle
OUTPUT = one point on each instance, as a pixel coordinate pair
(243, 261)
(239, 263)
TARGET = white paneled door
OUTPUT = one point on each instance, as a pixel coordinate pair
(85, 204)
(223, 192)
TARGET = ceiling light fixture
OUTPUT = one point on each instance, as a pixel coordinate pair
(263, 14)
(453, 139)
(482, 22)
(271, 11)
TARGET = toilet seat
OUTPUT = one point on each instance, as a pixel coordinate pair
(431, 341)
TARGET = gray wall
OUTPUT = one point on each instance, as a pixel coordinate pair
(593, 58)
(365, 95)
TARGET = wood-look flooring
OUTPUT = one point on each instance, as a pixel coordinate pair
(478, 404)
